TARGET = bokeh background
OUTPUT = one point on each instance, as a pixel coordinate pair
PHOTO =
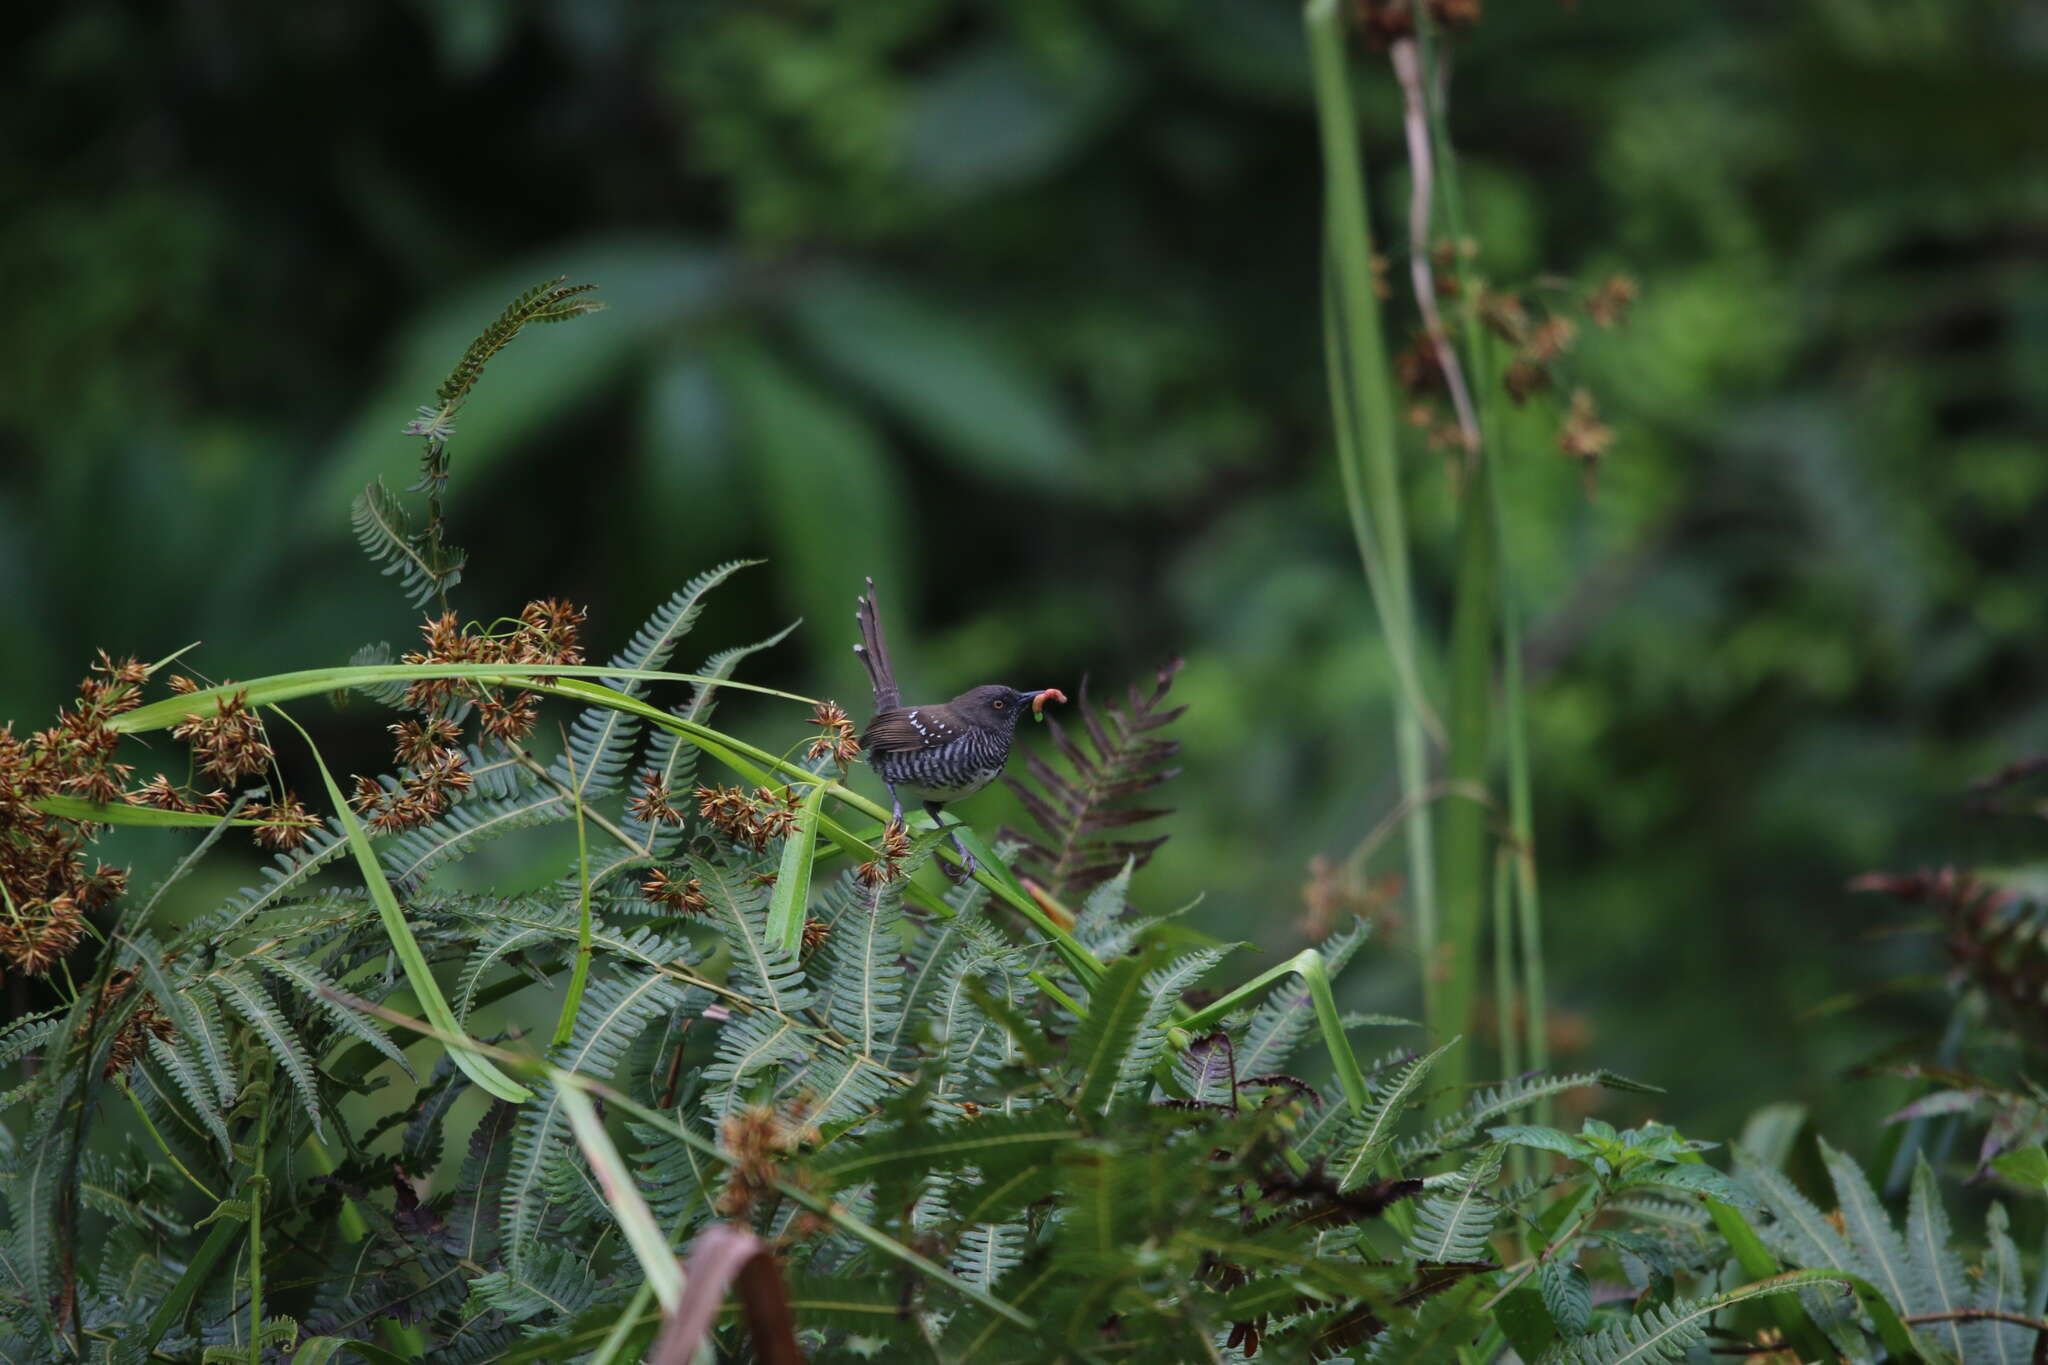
(1014, 307)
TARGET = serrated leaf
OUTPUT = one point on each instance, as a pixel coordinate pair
(1568, 1294)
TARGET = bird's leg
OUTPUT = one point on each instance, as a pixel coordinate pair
(896, 806)
(967, 862)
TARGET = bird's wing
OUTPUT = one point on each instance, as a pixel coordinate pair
(902, 729)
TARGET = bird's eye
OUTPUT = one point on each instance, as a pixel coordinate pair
(999, 704)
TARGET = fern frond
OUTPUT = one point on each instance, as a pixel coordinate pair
(614, 1012)
(1371, 1133)
(1667, 1332)
(1286, 1015)
(1937, 1266)
(391, 694)
(286, 877)
(317, 988)
(1076, 810)
(2004, 1291)
(748, 1044)
(1456, 1222)
(762, 971)
(409, 856)
(1163, 990)
(671, 762)
(862, 972)
(384, 530)
(1453, 1131)
(550, 301)
(246, 996)
(555, 1282)
(206, 1104)
(602, 738)
(1116, 1008)
(1879, 1252)
(986, 1252)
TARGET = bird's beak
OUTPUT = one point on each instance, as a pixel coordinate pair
(1043, 696)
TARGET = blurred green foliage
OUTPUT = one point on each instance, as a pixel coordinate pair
(1014, 307)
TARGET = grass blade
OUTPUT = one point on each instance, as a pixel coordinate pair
(418, 974)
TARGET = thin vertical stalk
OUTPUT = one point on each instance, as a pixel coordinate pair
(1463, 832)
(1434, 83)
(1504, 989)
(572, 1003)
(1367, 457)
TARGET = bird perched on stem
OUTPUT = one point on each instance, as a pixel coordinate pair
(942, 752)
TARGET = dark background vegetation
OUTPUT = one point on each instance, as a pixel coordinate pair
(1014, 306)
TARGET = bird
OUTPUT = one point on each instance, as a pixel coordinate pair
(942, 752)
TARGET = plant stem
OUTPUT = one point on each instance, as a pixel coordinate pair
(1367, 454)
(565, 1025)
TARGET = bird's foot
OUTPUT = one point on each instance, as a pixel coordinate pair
(967, 860)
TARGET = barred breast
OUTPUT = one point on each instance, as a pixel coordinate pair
(945, 772)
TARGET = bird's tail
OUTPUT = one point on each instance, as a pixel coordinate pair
(874, 652)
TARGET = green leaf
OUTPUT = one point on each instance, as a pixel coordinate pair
(1696, 1179)
(1665, 1333)
(1116, 1007)
(1568, 1294)
(622, 1197)
(2028, 1166)
(1455, 1223)
(791, 900)
(1371, 1133)
(1543, 1139)
(145, 817)
(418, 974)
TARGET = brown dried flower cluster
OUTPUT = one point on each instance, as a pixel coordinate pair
(436, 774)
(48, 891)
(1385, 21)
(683, 895)
(750, 821)
(816, 931)
(1583, 436)
(838, 738)
(230, 743)
(146, 1021)
(895, 847)
(653, 806)
(1610, 300)
(757, 1138)
(1333, 896)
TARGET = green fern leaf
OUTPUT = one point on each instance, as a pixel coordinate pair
(1116, 1008)
(602, 738)
(765, 974)
(1163, 990)
(1938, 1267)
(313, 984)
(614, 1012)
(384, 530)
(1880, 1254)
(1279, 1024)
(1457, 1130)
(986, 1252)
(2004, 1292)
(671, 762)
(553, 1282)
(1372, 1132)
(1456, 1222)
(1568, 1294)
(247, 997)
(1665, 1333)
(411, 855)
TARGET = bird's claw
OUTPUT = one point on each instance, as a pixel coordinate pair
(967, 861)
